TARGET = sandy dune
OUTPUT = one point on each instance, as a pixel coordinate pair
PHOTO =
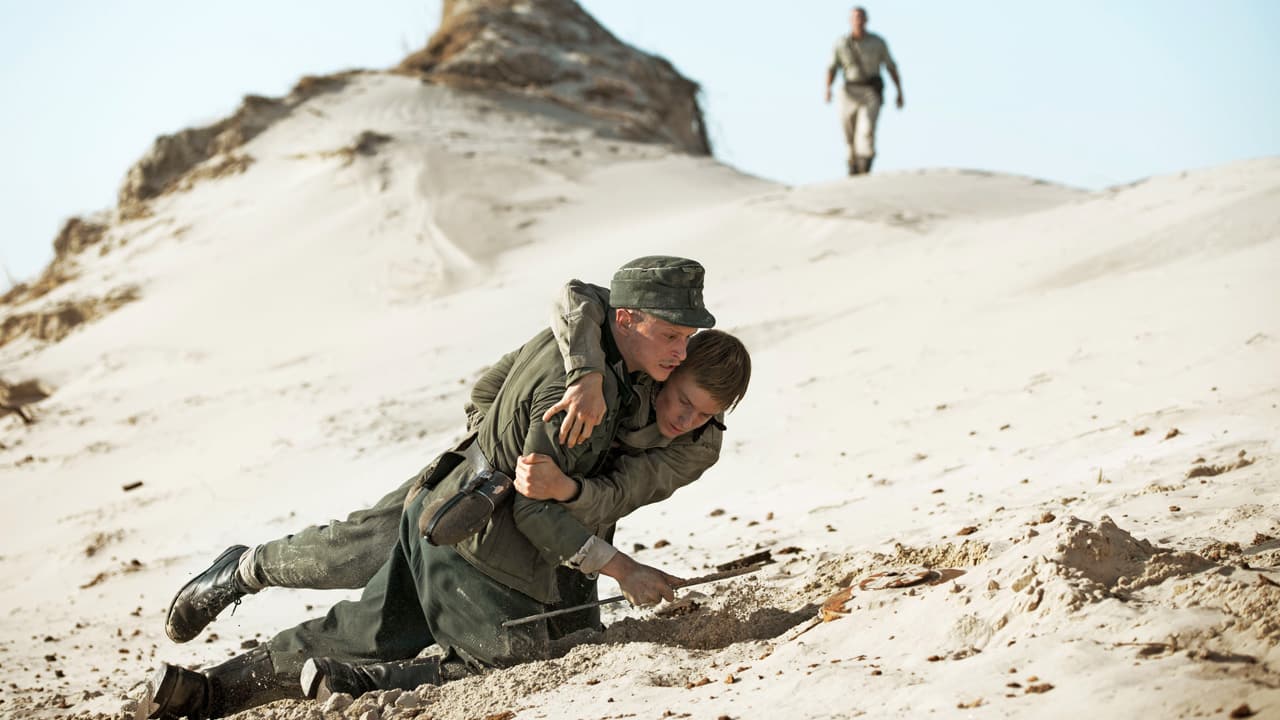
(1070, 397)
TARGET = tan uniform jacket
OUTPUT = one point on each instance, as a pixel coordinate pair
(860, 60)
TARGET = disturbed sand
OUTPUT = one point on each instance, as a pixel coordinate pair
(1062, 402)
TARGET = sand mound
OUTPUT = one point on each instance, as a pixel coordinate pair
(1087, 562)
(745, 611)
(555, 51)
(76, 234)
(1112, 557)
(169, 164)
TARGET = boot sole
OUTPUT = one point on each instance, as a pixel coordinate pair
(148, 705)
(160, 687)
(168, 620)
(313, 682)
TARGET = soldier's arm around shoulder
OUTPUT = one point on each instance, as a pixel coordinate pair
(577, 321)
(635, 480)
(486, 389)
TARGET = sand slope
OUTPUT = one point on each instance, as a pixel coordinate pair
(934, 351)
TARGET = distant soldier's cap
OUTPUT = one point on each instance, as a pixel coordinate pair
(667, 287)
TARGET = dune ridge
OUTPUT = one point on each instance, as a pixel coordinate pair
(1051, 392)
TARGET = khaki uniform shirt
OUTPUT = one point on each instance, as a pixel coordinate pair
(873, 52)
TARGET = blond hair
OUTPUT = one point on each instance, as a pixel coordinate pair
(720, 365)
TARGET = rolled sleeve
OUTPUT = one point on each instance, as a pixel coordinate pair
(594, 554)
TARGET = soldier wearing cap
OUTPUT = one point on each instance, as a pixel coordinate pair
(458, 596)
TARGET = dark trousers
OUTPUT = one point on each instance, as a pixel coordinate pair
(340, 554)
(422, 595)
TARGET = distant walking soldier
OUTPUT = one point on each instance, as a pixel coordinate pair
(859, 56)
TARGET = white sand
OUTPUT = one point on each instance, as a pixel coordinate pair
(933, 350)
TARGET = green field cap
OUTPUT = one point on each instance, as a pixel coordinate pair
(666, 287)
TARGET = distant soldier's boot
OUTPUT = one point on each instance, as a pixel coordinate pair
(205, 595)
(863, 165)
(853, 168)
(243, 682)
(322, 677)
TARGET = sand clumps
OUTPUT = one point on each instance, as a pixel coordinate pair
(966, 554)
(740, 612)
(1084, 562)
(1248, 602)
(15, 397)
(1202, 469)
(553, 50)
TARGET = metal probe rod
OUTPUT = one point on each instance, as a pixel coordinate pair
(724, 575)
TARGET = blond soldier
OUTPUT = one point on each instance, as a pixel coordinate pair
(456, 589)
(858, 56)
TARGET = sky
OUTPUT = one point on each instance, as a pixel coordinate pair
(1088, 93)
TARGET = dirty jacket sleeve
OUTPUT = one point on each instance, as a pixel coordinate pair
(634, 480)
(486, 389)
(577, 320)
(550, 527)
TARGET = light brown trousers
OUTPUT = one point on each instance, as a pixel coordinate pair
(859, 108)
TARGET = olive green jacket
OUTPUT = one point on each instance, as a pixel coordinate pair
(527, 539)
(644, 467)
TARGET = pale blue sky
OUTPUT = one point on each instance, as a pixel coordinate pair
(1087, 93)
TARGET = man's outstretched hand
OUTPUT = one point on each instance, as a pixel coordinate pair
(584, 408)
(641, 584)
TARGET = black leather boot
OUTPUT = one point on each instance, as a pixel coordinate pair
(175, 692)
(322, 677)
(245, 681)
(864, 164)
(204, 596)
